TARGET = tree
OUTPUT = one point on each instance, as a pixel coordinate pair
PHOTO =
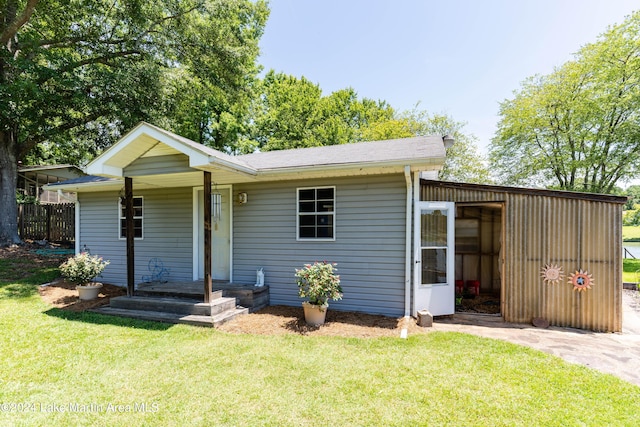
(80, 71)
(463, 163)
(633, 197)
(579, 127)
(291, 112)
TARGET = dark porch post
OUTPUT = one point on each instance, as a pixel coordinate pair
(207, 237)
(128, 212)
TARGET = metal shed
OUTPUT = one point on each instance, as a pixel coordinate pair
(515, 241)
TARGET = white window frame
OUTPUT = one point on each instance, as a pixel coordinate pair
(316, 213)
(121, 217)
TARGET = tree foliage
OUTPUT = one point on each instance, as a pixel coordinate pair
(291, 112)
(464, 162)
(633, 196)
(577, 128)
(74, 74)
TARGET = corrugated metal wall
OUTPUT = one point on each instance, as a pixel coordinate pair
(546, 228)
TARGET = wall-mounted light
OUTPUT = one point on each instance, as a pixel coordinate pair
(242, 198)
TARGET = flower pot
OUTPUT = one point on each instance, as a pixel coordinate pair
(89, 291)
(314, 315)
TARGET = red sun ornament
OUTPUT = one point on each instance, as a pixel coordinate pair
(581, 280)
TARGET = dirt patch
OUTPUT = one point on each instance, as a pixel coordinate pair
(63, 295)
(485, 304)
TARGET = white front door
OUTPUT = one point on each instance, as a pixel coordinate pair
(434, 228)
(220, 237)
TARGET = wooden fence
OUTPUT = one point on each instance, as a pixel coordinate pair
(54, 222)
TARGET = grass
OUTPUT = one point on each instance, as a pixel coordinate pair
(73, 369)
(631, 233)
(631, 270)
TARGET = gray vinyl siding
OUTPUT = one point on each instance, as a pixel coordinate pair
(167, 233)
(369, 244)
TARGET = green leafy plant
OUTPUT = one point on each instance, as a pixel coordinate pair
(82, 268)
(319, 282)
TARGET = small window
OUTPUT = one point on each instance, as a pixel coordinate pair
(316, 213)
(138, 218)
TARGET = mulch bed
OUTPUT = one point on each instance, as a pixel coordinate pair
(273, 320)
(62, 294)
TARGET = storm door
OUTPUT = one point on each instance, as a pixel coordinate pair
(434, 258)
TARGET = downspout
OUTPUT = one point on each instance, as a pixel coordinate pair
(76, 225)
(407, 256)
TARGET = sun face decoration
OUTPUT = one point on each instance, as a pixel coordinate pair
(552, 274)
(581, 280)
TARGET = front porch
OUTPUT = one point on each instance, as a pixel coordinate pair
(183, 302)
(251, 297)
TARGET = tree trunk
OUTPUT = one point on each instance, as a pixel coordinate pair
(8, 180)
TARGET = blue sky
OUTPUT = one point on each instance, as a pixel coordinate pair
(460, 57)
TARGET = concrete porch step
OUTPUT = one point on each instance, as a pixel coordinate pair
(168, 291)
(166, 317)
(174, 305)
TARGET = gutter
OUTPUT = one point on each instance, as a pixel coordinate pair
(407, 255)
(423, 164)
(226, 165)
(77, 226)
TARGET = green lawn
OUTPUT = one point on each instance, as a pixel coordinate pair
(66, 369)
(631, 270)
(631, 233)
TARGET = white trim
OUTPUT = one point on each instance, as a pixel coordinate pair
(134, 217)
(333, 214)
(226, 165)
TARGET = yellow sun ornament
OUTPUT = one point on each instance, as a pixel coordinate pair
(552, 274)
(581, 280)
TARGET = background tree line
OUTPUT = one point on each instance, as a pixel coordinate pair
(76, 74)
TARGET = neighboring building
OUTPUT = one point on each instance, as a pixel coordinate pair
(358, 205)
(31, 179)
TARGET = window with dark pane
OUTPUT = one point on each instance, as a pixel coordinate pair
(316, 211)
(138, 218)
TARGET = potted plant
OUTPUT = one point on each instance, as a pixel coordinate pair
(319, 283)
(81, 270)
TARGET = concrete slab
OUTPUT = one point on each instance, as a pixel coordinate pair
(612, 353)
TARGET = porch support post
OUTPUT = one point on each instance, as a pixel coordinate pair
(128, 212)
(207, 237)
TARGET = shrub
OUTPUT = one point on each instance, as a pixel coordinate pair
(82, 268)
(319, 282)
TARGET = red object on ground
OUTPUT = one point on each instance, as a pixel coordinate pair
(475, 284)
(459, 286)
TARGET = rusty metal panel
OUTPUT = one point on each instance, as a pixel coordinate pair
(540, 229)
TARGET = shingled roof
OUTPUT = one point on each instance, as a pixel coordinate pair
(154, 147)
(394, 150)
